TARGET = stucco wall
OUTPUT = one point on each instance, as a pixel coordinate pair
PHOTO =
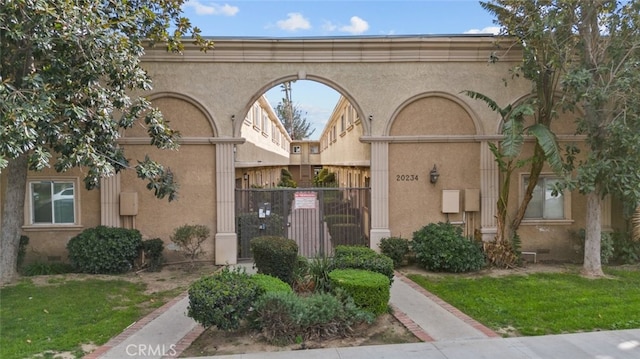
(48, 242)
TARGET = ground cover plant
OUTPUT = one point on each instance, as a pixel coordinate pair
(543, 303)
(63, 314)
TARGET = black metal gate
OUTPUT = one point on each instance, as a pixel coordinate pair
(318, 219)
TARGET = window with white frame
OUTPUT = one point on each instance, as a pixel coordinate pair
(52, 202)
(296, 149)
(544, 205)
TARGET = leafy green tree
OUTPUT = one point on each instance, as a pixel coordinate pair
(67, 69)
(292, 117)
(508, 155)
(599, 74)
(525, 25)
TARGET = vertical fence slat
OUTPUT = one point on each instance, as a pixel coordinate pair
(340, 216)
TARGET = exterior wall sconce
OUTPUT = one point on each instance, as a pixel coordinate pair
(433, 175)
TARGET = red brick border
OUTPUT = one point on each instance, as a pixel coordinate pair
(450, 308)
(186, 341)
(408, 323)
(190, 337)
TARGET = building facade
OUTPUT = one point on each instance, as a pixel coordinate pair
(401, 100)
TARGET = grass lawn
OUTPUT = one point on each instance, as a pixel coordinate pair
(64, 314)
(543, 303)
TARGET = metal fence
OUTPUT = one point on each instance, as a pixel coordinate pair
(318, 219)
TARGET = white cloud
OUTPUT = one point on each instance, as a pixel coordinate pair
(487, 30)
(329, 26)
(212, 8)
(357, 26)
(295, 21)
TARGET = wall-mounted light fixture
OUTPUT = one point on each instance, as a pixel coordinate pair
(370, 117)
(433, 175)
(233, 118)
(246, 177)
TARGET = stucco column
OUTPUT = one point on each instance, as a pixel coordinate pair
(226, 240)
(109, 201)
(489, 187)
(379, 193)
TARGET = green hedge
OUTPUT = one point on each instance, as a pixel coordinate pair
(104, 250)
(359, 257)
(275, 256)
(395, 248)
(222, 300)
(441, 247)
(269, 284)
(370, 291)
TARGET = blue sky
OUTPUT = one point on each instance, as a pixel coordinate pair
(307, 18)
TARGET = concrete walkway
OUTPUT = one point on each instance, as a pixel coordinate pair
(447, 334)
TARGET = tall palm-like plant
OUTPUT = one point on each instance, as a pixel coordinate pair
(508, 155)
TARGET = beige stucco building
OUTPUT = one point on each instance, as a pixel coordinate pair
(401, 115)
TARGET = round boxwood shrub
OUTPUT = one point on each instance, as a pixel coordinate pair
(360, 257)
(275, 256)
(441, 247)
(222, 300)
(268, 284)
(370, 290)
(104, 250)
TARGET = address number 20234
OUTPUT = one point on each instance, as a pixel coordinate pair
(404, 178)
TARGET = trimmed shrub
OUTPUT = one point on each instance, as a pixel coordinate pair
(395, 248)
(359, 257)
(268, 284)
(370, 291)
(153, 249)
(189, 239)
(222, 300)
(248, 227)
(350, 251)
(104, 250)
(441, 247)
(275, 256)
(284, 318)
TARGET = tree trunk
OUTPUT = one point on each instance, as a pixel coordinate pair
(534, 174)
(592, 266)
(12, 216)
